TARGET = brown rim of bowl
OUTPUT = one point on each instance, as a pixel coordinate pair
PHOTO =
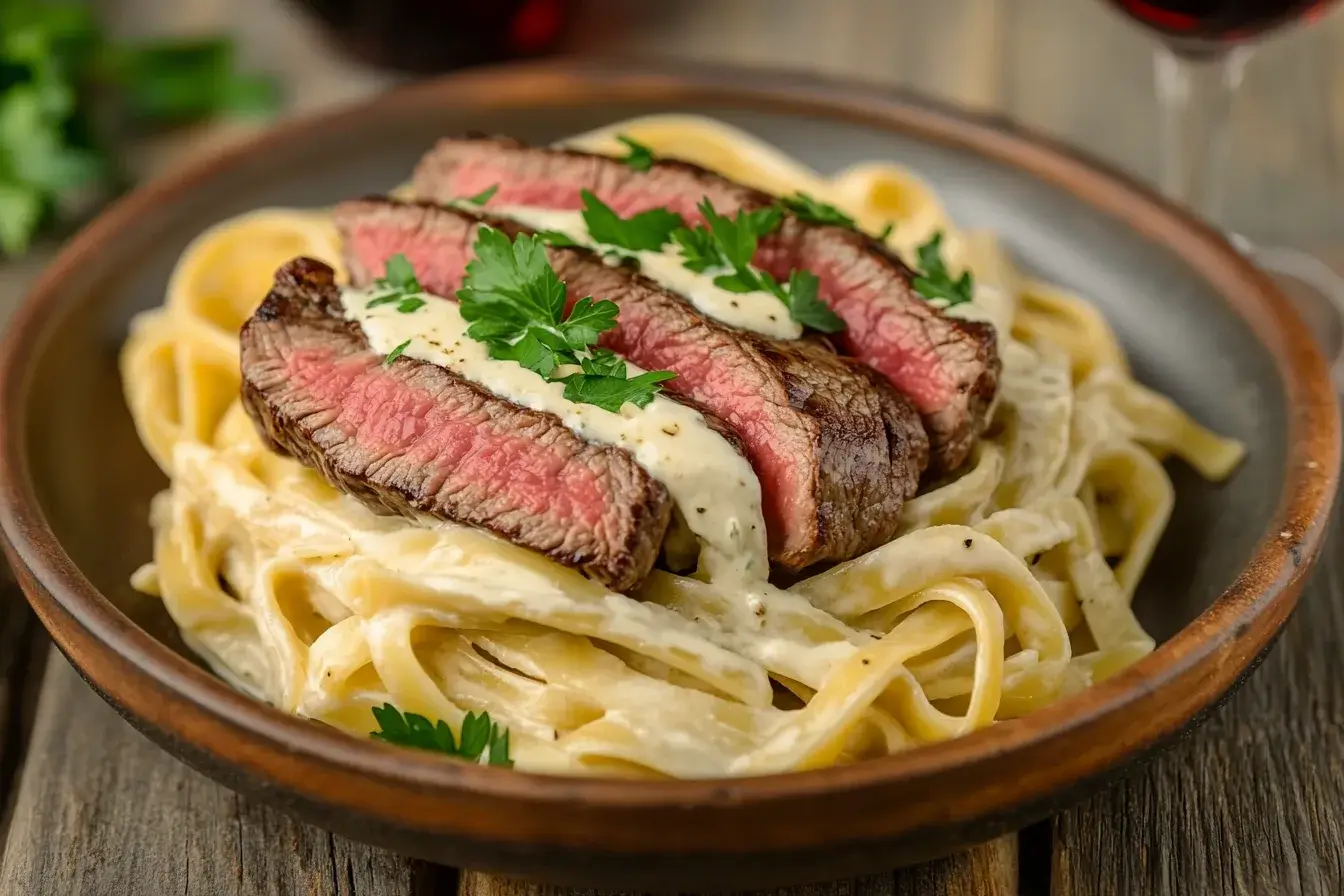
(1225, 635)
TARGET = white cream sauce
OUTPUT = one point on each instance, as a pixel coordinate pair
(760, 312)
(713, 486)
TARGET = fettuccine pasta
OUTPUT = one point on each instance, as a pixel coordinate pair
(1009, 586)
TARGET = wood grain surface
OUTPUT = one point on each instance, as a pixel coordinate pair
(1252, 803)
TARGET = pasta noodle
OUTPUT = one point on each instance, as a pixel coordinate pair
(1008, 586)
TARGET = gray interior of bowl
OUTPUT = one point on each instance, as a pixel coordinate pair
(96, 482)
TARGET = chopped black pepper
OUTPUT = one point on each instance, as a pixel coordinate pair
(967, 542)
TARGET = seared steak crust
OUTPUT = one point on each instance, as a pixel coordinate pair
(948, 367)
(837, 450)
(414, 438)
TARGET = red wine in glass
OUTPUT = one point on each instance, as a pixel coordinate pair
(1218, 22)
(426, 36)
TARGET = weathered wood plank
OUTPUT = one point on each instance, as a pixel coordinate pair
(1253, 802)
(988, 870)
(100, 810)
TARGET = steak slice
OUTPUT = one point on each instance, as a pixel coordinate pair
(948, 367)
(836, 448)
(414, 438)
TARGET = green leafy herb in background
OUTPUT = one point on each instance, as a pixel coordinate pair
(66, 92)
(934, 282)
(640, 156)
(515, 304)
(480, 740)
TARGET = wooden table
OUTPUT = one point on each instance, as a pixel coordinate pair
(1253, 802)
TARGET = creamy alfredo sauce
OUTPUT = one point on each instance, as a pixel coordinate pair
(714, 487)
(759, 312)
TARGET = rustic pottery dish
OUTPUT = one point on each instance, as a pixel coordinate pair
(1200, 323)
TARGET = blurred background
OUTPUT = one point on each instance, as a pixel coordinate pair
(131, 88)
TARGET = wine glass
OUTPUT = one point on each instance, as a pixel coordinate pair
(1204, 47)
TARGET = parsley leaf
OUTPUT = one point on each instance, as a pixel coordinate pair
(481, 740)
(483, 197)
(647, 231)
(640, 157)
(814, 211)
(530, 352)
(399, 274)
(699, 251)
(586, 321)
(800, 296)
(399, 286)
(935, 283)
(603, 362)
(510, 282)
(406, 306)
(610, 392)
(886, 231)
(738, 236)
(515, 303)
(733, 242)
(743, 280)
(395, 353)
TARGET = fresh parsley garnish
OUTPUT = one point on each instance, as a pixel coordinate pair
(887, 231)
(69, 95)
(483, 197)
(814, 211)
(738, 236)
(481, 740)
(395, 353)
(398, 286)
(699, 251)
(603, 382)
(934, 282)
(515, 304)
(801, 297)
(640, 157)
(647, 231)
(610, 391)
(731, 242)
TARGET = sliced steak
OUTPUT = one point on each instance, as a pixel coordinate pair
(837, 450)
(948, 367)
(414, 438)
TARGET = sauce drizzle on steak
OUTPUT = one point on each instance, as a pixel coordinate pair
(413, 438)
(836, 448)
(948, 367)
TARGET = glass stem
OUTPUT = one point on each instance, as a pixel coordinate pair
(1195, 93)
